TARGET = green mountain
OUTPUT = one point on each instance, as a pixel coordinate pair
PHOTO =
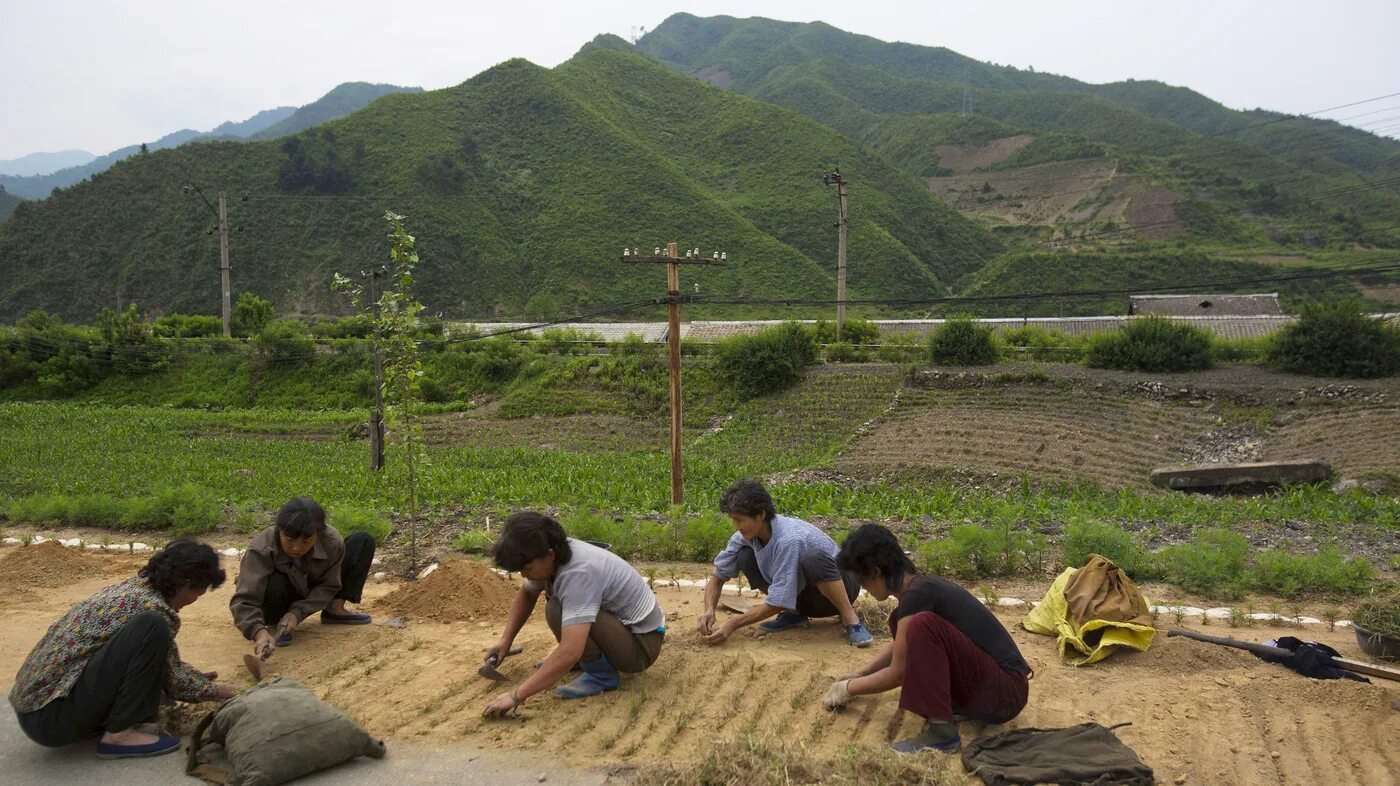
(339, 102)
(908, 101)
(523, 184)
(267, 124)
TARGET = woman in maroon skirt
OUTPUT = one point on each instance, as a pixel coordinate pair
(951, 658)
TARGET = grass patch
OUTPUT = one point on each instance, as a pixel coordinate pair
(753, 762)
(180, 510)
(348, 519)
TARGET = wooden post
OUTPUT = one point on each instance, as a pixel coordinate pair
(673, 336)
(841, 257)
(223, 265)
(673, 261)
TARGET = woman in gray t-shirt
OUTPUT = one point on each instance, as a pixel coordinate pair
(600, 609)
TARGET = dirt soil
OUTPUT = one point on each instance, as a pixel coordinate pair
(1200, 714)
(460, 590)
(965, 158)
(45, 566)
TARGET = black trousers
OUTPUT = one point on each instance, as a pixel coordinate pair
(119, 688)
(814, 567)
(279, 594)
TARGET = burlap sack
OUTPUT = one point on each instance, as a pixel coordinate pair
(275, 732)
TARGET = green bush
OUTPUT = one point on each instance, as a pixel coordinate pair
(962, 341)
(1082, 538)
(357, 326)
(853, 331)
(188, 326)
(1292, 575)
(1212, 564)
(1337, 340)
(182, 510)
(250, 315)
(845, 352)
(1151, 343)
(765, 362)
(901, 348)
(285, 343)
(567, 341)
(348, 520)
(973, 551)
(474, 541)
(1037, 343)
(131, 344)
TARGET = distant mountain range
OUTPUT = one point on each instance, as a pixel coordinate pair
(44, 163)
(267, 124)
(523, 185)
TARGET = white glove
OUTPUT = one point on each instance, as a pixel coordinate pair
(837, 695)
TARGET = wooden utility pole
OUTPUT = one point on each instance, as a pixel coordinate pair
(673, 260)
(376, 418)
(829, 178)
(223, 265)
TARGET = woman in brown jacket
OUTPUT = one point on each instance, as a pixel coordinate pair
(295, 568)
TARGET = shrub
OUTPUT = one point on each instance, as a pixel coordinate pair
(1212, 564)
(249, 521)
(1291, 575)
(184, 510)
(131, 345)
(765, 362)
(973, 551)
(1038, 343)
(348, 520)
(474, 541)
(357, 326)
(1082, 538)
(961, 341)
(1151, 343)
(1337, 340)
(251, 314)
(845, 352)
(853, 331)
(188, 326)
(567, 341)
(901, 348)
(285, 343)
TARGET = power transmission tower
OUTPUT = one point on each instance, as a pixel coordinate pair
(834, 178)
(673, 260)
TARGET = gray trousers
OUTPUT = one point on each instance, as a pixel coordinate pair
(814, 567)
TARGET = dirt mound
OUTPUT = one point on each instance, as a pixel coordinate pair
(459, 591)
(46, 565)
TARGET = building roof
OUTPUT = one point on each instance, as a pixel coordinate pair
(1265, 304)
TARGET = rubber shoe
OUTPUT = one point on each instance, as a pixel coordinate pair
(598, 677)
(353, 618)
(160, 747)
(786, 620)
(284, 640)
(941, 736)
(859, 635)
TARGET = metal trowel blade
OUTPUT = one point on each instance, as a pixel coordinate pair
(254, 666)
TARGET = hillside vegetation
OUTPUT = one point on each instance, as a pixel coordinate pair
(524, 184)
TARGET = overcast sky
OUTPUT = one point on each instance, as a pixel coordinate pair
(100, 74)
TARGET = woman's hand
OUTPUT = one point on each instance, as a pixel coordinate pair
(837, 695)
(501, 706)
(706, 623)
(225, 692)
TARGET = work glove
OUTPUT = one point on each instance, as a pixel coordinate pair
(837, 695)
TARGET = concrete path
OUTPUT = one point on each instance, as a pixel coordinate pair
(22, 763)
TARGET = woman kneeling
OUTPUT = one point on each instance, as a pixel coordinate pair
(951, 658)
(104, 665)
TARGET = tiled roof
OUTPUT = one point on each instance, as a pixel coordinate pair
(1207, 305)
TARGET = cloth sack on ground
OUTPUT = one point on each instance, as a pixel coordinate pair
(275, 732)
(1092, 611)
(1310, 659)
(1084, 755)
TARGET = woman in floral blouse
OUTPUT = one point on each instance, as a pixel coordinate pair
(103, 666)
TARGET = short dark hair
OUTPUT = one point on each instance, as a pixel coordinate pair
(871, 549)
(301, 517)
(527, 536)
(184, 562)
(748, 497)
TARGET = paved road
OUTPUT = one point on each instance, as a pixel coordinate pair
(22, 763)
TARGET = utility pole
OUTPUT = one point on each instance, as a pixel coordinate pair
(673, 260)
(376, 418)
(223, 265)
(830, 178)
(221, 216)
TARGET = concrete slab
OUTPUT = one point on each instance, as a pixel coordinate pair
(22, 763)
(1240, 477)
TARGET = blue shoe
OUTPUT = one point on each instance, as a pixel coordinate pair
(786, 620)
(284, 639)
(161, 746)
(353, 618)
(598, 677)
(941, 736)
(859, 635)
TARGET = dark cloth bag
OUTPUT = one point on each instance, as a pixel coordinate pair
(275, 732)
(1310, 659)
(1084, 755)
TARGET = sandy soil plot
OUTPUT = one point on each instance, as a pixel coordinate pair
(1208, 714)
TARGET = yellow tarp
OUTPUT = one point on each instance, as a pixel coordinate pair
(1051, 618)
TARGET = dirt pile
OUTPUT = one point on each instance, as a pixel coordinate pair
(460, 590)
(47, 565)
